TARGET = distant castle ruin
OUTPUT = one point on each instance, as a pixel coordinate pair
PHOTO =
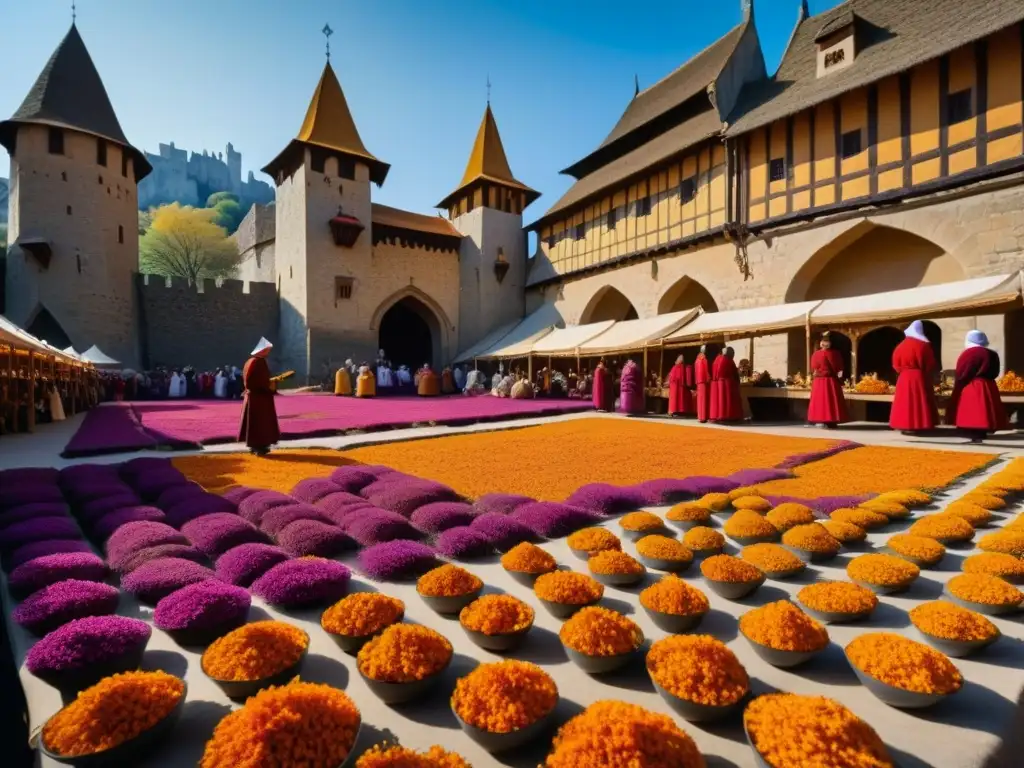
(176, 177)
(4, 191)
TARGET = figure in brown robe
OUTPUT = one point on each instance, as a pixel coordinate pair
(259, 429)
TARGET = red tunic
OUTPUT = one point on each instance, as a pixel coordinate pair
(702, 375)
(259, 427)
(726, 404)
(975, 403)
(828, 406)
(913, 405)
(604, 397)
(690, 398)
(679, 398)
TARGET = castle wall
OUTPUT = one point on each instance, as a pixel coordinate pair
(290, 268)
(205, 325)
(255, 238)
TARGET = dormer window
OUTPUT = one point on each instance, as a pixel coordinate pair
(837, 43)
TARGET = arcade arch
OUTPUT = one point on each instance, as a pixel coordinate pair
(686, 293)
(608, 304)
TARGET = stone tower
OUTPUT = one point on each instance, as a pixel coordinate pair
(323, 219)
(73, 210)
(487, 208)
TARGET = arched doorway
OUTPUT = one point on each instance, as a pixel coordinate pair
(408, 331)
(686, 293)
(842, 344)
(934, 334)
(44, 326)
(874, 352)
(608, 304)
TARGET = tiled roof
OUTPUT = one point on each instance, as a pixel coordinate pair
(417, 222)
(892, 36)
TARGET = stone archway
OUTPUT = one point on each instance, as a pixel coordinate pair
(44, 326)
(412, 329)
(874, 352)
(608, 304)
(686, 293)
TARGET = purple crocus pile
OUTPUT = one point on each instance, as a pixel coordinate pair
(303, 583)
(206, 606)
(82, 643)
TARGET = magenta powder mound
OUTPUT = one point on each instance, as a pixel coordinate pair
(502, 503)
(275, 520)
(152, 484)
(245, 563)
(134, 537)
(27, 512)
(82, 643)
(255, 505)
(344, 516)
(699, 485)
(44, 529)
(30, 552)
(143, 465)
(177, 493)
(303, 583)
(180, 551)
(503, 531)
(312, 537)
(395, 560)
(195, 507)
(312, 489)
(339, 501)
(405, 496)
(95, 491)
(97, 508)
(65, 601)
(29, 493)
(664, 490)
(238, 493)
(104, 528)
(553, 520)
(202, 607)
(217, 533)
(352, 478)
(87, 474)
(747, 477)
(606, 499)
(158, 578)
(26, 475)
(463, 542)
(379, 526)
(49, 569)
(442, 515)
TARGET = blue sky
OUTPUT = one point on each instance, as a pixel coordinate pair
(202, 74)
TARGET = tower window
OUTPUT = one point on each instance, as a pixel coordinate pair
(643, 206)
(99, 180)
(101, 152)
(124, 164)
(777, 168)
(56, 141)
(581, 231)
(69, 210)
(342, 288)
(851, 144)
(317, 161)
(960, 106)
(120, 233)
(63, 175)
(687, 189)
(613, 218)
(346, 168)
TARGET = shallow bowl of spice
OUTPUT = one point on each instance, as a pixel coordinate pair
(616, 569)
(989, 595)
(730, 577)
(704, 541)
(783, 635)
(954, 630)
(354, 620)
(255, 656)
(837, 602)
(497, 622)
(774, 561)
(587, 542)
(663, 553)
(673, 605)
(526, 561)
(636, 525)
(747, 527)
(882, 574)
(599, 640)
(698, 677)
(1007, 567)
(902, 672)
(563, 593)
(812, 543)
(922, 551)
(448, 589)
(945, 529)
(688, 515)
(404, 662)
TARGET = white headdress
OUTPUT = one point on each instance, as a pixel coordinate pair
(975, 338)
(916, 331)
(263, 345)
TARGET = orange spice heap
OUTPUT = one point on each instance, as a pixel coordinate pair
(974, 514)
(614, 733)
(528, 558)
(674, 596)
(844, 533)
(784, 627)
(698, 668)
(995, 564)
(791, 731)
(641, 521)
(383, 756)
(729, 568)
(903, 663)
(743, 491)
(689, 511)
(1015, 526)
(664, 548)
(569, 588)
(752, 503)
(951, 622)
(943, 527)
(599, 631)
(993, 488)
(785, 516)
(403, 653)
(703, 538)
(837, 597)
(747, 524)
(448, 581)
(862, 518)
(919, 547)
(505, 696)
(497, 615)
(115, 710)
(255, 651)
(989, 590)
(594, 540)
(771, 558)
(716, 502)
(295, 724)
(882, 570)
(908, 498)
(985, 500)
(811, 538)
(890, 509)
(1010, 542)
(611, 562)
(362, 613)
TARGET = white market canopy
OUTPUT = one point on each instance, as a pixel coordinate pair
(633, 334)
(16, 337)
(519, 341)
(488, 341)
(754, 321)
(97, 356)
(565, 341)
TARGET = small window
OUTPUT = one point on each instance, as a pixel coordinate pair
(99, 180)
(777, 169)
(120, 234)
(68, 210)
(342, 288)
(317, 162)
(687, 189)
(63, 175)
(581, 231)
(550, 240)
(56, 141)
(101, 152)
(960, 106)
(124, 164)
(851, 144)
(347, 168)
(643, 206)
(613, 218)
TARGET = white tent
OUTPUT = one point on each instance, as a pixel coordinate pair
(519, 341)
(744, 322)
(633, 334)
(488, 341)
(564, 341)
(70, 352)
(97, 356)
(15, 336)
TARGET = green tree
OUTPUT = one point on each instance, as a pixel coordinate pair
(3, 238)
(187, 242)
(228, 214)
(217, 197)
(145, 221)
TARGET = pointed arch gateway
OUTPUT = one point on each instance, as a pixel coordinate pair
(608, 304)
(686, 293)
(45, 326)
(412, 329)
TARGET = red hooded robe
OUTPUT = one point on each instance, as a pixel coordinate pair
(975, 403)
(679, 397)
(259, 427)
(702, 375)
(828, 406)
(726, 404)
(913, 405)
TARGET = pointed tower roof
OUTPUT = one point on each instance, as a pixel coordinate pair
(70, 94)
(487, 162)
(329, 125)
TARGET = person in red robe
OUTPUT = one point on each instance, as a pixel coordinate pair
(702, 375)
(913, 405)
(975, 405)
(604, 396)
(259, 429)
(678, 394)
(828, 406)
(726, 404)
(690, 395)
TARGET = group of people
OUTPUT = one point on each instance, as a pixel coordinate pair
(384, 380)
(170, 383)
(708, 389)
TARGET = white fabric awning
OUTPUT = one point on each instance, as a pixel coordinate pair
(488, 341)
(564, 341)
(633, 334)
(924, 302)
(17, 337)
(519, 341)
(71, 351)
(743, 322)
(97, 356)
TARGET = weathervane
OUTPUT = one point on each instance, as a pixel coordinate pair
(327, 32)
(488, 90)
(74, 13)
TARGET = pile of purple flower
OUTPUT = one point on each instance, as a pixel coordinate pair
(303, 583)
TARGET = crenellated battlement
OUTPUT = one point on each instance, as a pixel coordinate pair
(260, 289)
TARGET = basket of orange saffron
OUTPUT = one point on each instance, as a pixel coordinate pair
(782, 634)
(704, 541)
(774, 561)
(663, 553)
(673, 605)
(955, 631)
(600, 640)
(448, 589)
(526, 561)
(116, 721)
(902, 672)
(255, 656)
(1006, 567)
(862, 518)
(789, 731)
(945, 529)
(636, 525)
(747, 527)
(984, 594)
(565, 592)
(689, 514)
(837, 602)
(504, 705)
(616, 569)
(730, 577)
(404, 662)
(882, 574)
(497, 622)
(698, 676)
(353, 620)
(919, 550)
(587, 542)
(811, 542)
(397, 756)
(844, 533)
